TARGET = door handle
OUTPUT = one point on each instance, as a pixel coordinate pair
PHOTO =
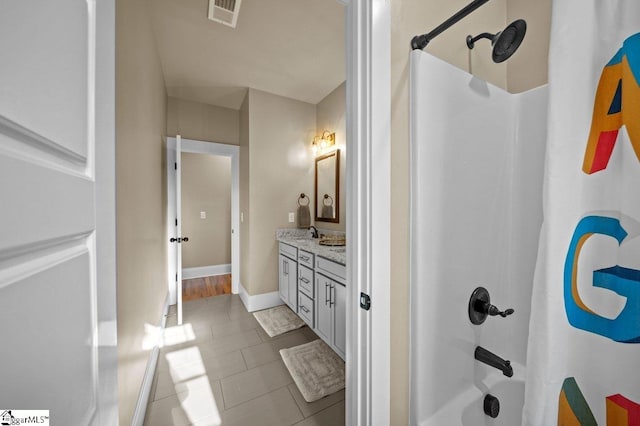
(304, 308)
(178, 240)
(304, 280)
(326, 299)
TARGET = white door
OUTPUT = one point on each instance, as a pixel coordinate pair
(178, 238)
(174, 222)
(57, 215)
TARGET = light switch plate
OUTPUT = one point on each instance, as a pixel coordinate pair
(203, 215)
(292, 217)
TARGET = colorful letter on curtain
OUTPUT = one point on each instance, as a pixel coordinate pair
(583, 361)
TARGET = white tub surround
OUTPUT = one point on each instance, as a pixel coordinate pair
(476, 208)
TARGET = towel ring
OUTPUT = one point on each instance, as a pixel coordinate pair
(302, 197)
(327, 197)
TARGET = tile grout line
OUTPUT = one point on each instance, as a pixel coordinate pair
(247, 370)
(259, 396)
(297, 405)
(315, 414)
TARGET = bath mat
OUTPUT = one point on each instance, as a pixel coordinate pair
(278, 320)
(316, 369)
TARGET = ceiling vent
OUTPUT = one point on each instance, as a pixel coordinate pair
(224, 11)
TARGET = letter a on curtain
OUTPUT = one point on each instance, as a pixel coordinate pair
(583, 361)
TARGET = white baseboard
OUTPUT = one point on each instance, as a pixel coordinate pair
(259, 301)
(205, 271)
(147, 380)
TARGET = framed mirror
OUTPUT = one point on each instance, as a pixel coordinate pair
(327, 187)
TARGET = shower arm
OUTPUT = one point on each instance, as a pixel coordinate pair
(421, 41)
(472, 40)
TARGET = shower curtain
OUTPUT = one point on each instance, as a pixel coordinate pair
(583, 360)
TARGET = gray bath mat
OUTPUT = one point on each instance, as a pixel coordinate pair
(316, 369)
(278, 320)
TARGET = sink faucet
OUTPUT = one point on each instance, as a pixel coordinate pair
(314, 231)
(489, 358)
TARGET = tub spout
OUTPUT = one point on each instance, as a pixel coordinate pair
(489, 358)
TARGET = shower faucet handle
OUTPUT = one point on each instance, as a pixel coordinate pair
(493, 311)
(480, 307)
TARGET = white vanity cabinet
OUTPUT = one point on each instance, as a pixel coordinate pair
(288, 275)
(306, 292)
(340, 319)
(330, 304)
(314, 287)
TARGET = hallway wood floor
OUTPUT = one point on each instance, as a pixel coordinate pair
(198, 288)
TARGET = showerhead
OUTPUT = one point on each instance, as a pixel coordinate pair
(505, 43)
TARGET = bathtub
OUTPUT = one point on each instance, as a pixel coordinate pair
(467, 408)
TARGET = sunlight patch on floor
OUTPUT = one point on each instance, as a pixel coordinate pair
(178, 334)
(194, 389)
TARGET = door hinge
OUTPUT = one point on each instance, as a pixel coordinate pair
(175, 166)
(176, 221)
(176, 277)
(365, 301)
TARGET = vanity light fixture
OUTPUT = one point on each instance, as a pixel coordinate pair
(321, 143)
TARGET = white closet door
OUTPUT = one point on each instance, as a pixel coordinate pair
(56, 314)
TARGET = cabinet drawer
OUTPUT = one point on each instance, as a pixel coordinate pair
(332, 269)
(289, 251)
(305, 258)
(305, 308)
(305, 280)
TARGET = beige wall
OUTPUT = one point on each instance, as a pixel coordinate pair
(141, 204)
(408, 18)
(206, 187)
(198, 121)
(331, 115)
(528, 67)
(279, 167)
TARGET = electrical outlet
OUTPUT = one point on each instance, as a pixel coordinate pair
(203, 215)
(292, 217)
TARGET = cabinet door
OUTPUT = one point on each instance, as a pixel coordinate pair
(340, 318)
(324, 311)
(292, 281)
(283, 279)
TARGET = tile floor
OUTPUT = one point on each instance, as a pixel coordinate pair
(221, 368)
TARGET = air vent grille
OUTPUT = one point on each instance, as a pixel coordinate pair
(224, 11)
(230, 5)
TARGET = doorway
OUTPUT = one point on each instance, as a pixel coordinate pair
(176, 146)
(206, 219)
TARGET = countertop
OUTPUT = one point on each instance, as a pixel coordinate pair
(303, 241)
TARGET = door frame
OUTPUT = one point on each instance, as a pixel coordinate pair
(368, 58)
(223, 150)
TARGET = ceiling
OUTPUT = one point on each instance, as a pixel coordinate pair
(292, 48)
